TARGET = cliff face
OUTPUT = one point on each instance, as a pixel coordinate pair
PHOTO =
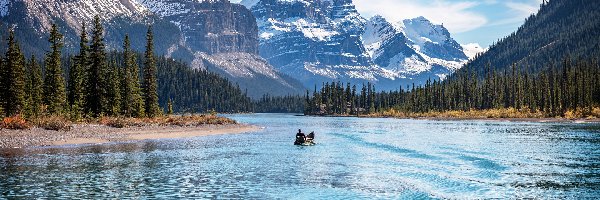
(216, 26)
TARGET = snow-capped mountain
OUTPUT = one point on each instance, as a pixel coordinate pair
(44, 12)
(195, 31)
(412, 47)
(327, 40)
(315, 41)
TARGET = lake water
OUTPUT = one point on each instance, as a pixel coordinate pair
(354, 159)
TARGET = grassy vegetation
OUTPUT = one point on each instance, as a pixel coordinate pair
(59, 123)
(172, 120)
(507, 113)
(54, 122)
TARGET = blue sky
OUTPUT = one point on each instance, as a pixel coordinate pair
(469, 21)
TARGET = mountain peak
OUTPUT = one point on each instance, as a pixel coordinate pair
(420, 30)
(377, 18)
(420, 18)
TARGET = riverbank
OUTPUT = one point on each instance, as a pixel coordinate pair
(511, 114)
(98, 134)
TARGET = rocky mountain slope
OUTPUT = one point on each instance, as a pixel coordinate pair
(328, 40)
(197, 32)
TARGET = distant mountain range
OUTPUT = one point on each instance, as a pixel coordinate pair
(266, 46)
(328, 40)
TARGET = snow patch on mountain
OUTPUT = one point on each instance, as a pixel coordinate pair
(237, 64)
(273, 27)
(369, 73)
(420, 31)
(377, 31)
(165, 8)
(3, 7)
(75, 12)
(472, 49)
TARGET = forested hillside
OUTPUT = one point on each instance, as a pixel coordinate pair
(561, 28)
(547, 68)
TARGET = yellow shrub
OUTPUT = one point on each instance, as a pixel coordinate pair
(15, 122)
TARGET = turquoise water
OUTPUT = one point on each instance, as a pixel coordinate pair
(354, 159)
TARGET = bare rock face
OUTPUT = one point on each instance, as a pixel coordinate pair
(215, 26)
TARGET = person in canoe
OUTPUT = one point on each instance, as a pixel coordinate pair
(310, 137)
(300, 138)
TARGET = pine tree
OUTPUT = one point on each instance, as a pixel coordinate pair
(132, 102)
(95, 87)
(14, 78)
(150, 81)
(170, 107)
(35, 88)
(112, 106)
(54, 84)
(75, 91)
(77, 78)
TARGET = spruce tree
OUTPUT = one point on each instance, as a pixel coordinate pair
(170, 107)
(77, 79)
(75, 91)
(14, 78)
(112, 106)
(54, 84)
(150, 81)
(95, 87)
(35, 88)
(131, 93)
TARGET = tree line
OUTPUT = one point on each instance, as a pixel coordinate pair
(573, 85)
(99, 83)
(279, 104)
(94, 88)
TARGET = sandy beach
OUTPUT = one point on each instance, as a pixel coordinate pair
(98, 134)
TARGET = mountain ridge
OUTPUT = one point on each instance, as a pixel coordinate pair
(333, 42)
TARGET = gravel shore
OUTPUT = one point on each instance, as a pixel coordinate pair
(93, 134)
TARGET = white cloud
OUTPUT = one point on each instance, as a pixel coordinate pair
(523, 8)
(518, 12)
(455, 16)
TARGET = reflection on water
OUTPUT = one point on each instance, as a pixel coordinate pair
(354, 158)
